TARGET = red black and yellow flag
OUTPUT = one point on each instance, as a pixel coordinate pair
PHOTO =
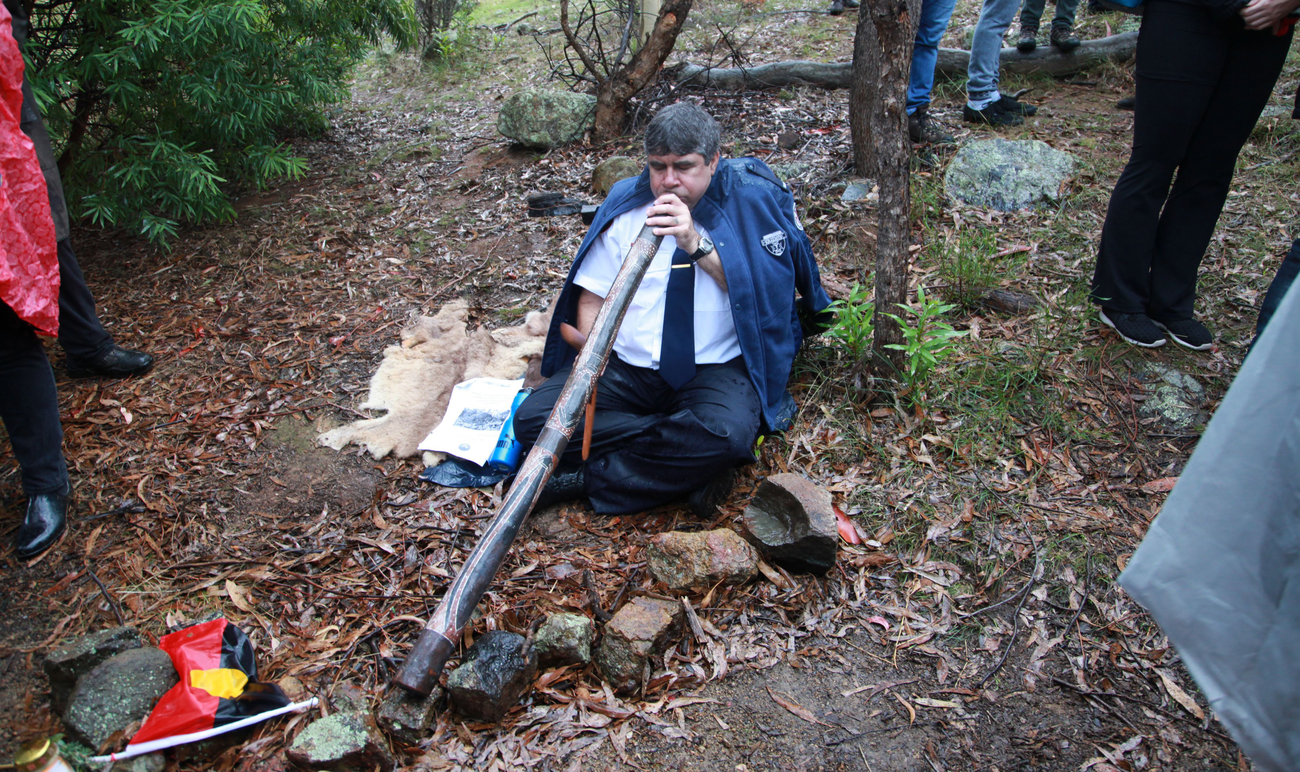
(218, 683)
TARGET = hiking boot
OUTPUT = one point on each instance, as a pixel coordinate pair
(1064, 39)
(1188, 333)
(837, 7)
(117, 363)
(922, 131)
(1127, 103)
(567, 483)
(993, 115)
(1137, 329)
(1028, 40)
(704, 502)
(1015, 106)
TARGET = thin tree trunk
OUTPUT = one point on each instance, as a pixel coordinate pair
(882, 54)
(613, 94)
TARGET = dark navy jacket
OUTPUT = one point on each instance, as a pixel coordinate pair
(750, 216)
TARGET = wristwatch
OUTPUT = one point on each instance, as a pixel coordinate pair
(704, 249)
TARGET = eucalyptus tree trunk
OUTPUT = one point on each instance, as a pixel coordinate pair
(882, 56)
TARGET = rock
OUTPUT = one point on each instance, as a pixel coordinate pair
(342, 742)
(788, 140)
(610, 171)
(564, 639)
(407, 716)
(524, 28)
(862, 190)
(349, 697)
(685, 561)
(120, 690)
(545, 119)
(1009, 302)
(792, 521)
(149, 762)
(493, 677)
(643, 627)
(793, 169)
(75, 658)
(1173, 398)
(1007, 174)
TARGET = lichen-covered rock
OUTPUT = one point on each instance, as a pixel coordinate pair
(545, 119)
(861, 190)
(120, 690)
(685, 561)
(564, 639)
(149, 762)
(407, 716)
(1007, 174)
(642, 628)
(1173, 398)
(73, 659)
(495, 674)
(342, 742)
(792, 521)
(610, 171)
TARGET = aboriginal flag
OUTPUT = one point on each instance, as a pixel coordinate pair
(218, 683)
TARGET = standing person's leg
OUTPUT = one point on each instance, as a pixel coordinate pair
(984, 103)
(1180, 55)
(1062, 35)
(1031, 15)
(709, 428)
(29, 407)
(925, 51)
(81, 335)
(1251, 68)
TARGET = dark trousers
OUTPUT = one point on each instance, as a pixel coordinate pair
(1201, 85)
(81, 335)
(1031, 13)
(29, 406)
(1282, 281)
(650, 444)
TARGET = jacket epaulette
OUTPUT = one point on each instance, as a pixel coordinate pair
(755, 166)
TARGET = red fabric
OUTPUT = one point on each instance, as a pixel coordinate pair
(184, 708)
(29, 264)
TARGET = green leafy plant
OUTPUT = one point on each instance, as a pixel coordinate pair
(927, 342)
(161, 107)
(854, 324)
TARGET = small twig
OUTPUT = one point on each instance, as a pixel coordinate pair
(1015, 620)
(130, 506)
(111, 603)
(1143, 703)
(593, 598)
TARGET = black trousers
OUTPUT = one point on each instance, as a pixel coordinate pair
(81, 335)
(29, 406)
(1201, 85)
(650, 444)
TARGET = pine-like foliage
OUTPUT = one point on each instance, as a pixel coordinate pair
(159, 107)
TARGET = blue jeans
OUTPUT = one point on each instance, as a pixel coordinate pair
(929, 31)
(986, 48)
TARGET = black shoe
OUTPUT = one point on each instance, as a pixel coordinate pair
(117, 363)
(47, 518)
(1028, 40)
(1189, 333)
(565, 484)
(1137, 329)
(837, 7)
(993, 115)
(1064, 39)
(921, 130)
(1127, 103)
(1015, 106)
(705, 501)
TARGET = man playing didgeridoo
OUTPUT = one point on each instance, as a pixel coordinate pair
(701, 360)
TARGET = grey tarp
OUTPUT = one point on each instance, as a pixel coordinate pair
(1219, 568)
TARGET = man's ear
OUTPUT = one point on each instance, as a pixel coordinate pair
(713, 165)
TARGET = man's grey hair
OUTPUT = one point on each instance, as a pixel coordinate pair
(682, 129)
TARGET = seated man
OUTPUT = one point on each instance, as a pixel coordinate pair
(701, 360)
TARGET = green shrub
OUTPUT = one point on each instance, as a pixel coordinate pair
(853, 322)
(926, 343)
(160, 107)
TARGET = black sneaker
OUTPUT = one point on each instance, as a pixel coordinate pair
(1015, 106)
(1137, 329)
(1028, 40)
(837, 7)
(920, 129)
(1188, 333)
(1064, 39)
(993, 115)
(1127, 103)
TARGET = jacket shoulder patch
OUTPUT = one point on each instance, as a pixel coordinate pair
(774, 242)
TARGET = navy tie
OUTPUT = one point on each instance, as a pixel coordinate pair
(677, 351)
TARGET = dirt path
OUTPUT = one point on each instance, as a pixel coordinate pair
(981, 629)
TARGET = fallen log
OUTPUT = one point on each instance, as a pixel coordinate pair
(951, 63)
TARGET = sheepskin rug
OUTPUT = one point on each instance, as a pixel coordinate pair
(414, 381)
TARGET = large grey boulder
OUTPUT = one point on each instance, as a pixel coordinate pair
(685, 561)
(73, 659)
(498, 669)
(342, 742)
(119, 691)
(1171, 397)
(1007, 174)
(642, 628)
(792, 521)
(545, 119)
